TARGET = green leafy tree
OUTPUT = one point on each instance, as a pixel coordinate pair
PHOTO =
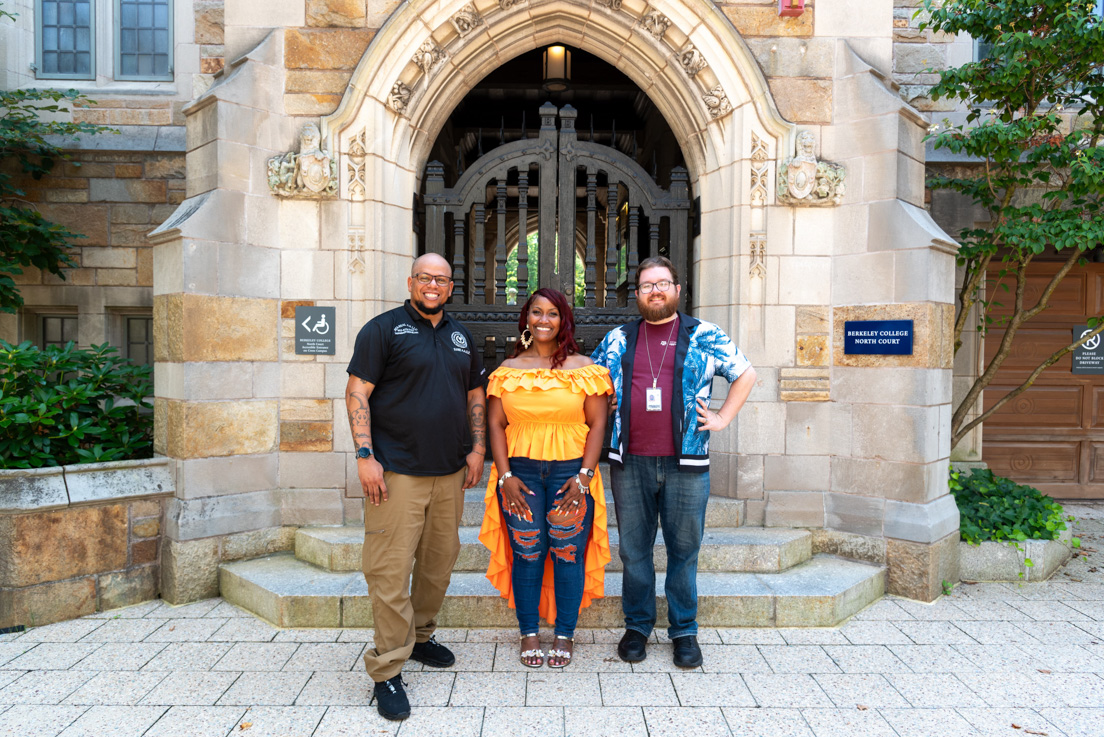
(1034, 126)
(26, 237)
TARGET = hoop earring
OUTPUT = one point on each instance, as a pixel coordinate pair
(526, 338)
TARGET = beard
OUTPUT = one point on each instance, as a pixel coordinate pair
(426, 309)
(657, 312)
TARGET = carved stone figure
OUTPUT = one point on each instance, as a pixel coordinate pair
(692, 60)
(611, 4)
(717, 102)
(428, 56)
(656, 23)
(507, 4)
(802, 180)
(466, 20)
(310, 173)
(399, 97)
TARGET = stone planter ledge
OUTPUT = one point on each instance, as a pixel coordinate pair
(59, 487)
(1000, 561)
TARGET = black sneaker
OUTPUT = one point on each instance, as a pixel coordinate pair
(633, 647)
(390, 697)
(687, 652)
(433, 654)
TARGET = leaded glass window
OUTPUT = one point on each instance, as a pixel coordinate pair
(143, 39)
(65, 39)
(57, 330)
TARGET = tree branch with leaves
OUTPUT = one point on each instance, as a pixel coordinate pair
(1033, 129)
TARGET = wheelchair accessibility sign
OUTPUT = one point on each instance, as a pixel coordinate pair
(314, 330)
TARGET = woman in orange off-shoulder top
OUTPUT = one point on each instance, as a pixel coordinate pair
(545, 523)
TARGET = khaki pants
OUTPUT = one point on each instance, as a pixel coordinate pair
(415, 531)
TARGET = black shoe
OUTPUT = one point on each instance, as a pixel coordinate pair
(687, 652)
(633, 647)
(391, 699)
(433, 654)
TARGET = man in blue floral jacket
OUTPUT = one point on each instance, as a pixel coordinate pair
(662, 367)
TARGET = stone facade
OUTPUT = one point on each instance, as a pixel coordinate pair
(857, 449)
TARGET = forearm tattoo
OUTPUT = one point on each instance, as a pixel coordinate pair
(360, 417)
(477, 419)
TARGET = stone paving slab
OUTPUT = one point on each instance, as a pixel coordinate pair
(972, 664)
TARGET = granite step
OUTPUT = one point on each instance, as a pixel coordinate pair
(821, 592)
(724, 549)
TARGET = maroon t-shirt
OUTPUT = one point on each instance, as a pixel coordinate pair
(650, 433)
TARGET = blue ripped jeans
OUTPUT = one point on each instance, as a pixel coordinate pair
(532, 542)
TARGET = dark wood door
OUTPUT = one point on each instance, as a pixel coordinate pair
(1052, 435)
(530, 196)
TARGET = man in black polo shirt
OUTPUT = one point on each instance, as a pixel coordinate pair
(417, 413)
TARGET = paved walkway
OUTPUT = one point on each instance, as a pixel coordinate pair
(992, 659)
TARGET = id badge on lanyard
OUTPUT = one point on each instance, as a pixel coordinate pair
(653, 399)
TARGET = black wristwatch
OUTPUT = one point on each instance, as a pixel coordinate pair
(587, 471)
(364, 452)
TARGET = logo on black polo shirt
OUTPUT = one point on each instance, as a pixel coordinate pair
(459, 340)
(405, 329)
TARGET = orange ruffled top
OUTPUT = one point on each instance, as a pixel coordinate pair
(544, 408)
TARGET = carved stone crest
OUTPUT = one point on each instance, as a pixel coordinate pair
(656, 23)
(466, 20)
(802, 180)
(399, 97)
(507, 4)
(717, 102)
(611, 4)
(429, 55)
(310, 173)
(692, 60)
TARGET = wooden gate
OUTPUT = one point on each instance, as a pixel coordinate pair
(554, 189)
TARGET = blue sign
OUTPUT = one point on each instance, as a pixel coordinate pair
(877, 337)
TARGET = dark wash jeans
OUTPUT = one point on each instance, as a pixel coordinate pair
(649, 491)
(532, 542)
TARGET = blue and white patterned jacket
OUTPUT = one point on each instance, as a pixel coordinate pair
(702, 352)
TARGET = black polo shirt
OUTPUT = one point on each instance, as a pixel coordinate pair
(422, 376)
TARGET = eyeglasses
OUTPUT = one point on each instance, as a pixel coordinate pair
(648, 286)
(441, 281)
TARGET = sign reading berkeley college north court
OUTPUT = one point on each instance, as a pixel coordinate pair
(878, 337)
(314, 330)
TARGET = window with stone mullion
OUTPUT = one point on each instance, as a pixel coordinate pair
(143, 39)
(66, 42)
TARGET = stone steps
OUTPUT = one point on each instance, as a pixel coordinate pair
(822, 591)
(724, 549)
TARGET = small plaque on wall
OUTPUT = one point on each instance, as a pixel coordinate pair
(878, 337)
(314, 330)
(1089, 358)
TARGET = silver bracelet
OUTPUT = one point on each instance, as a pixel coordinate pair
(503, 477)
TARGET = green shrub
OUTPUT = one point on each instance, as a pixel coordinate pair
(61, 406)
(995, 508)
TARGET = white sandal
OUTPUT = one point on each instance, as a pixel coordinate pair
(534, 653)
(564, 655)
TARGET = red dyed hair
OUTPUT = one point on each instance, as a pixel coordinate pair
(566, 337)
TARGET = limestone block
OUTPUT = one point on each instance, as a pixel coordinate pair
(331, 48)
(189, 570)
(127, 190)
(255, 543)
(871, 549)
(354, 511)
(302, 380)
(128, 587)
(203, 381)
(32, 488)
(145, 508)
(861, 515)
(813, 350)
(204, 429)
(306, 410)
(53, 546)
(749, 476)
(270, 15)
(809, 429)
(91, 482)
(343, 438)
(330, 13)
(912, 58)
(716, 288)
(35, 606)
(779, 347)
(307, 275)
(912, 386)
(266, 380)
(145, 528)
(921, 523)
(202, 477)
(851, 18)
(921, 276)
(756, 511)
(895, 433)
(312, 507)
(764, 390)
(199, 327)
(336, 380)
(306, 436)
(752, 20)
(762, 428)
(110, 258)
(933, 340)
(796, 473)
(248, 271)
(88, 220)
(312, 470)
(864, 277)
(910, 180)
(794, 509)
(185, 266)
(812, 226)
(794, 57)
(299, 226)
(722, 473)
(908, 482)
(917, 571)
(862, 137)
(325, 82)
(192, 519)
(806, 101)
(805, 280)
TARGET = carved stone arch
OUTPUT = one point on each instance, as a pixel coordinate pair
(397, 60)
